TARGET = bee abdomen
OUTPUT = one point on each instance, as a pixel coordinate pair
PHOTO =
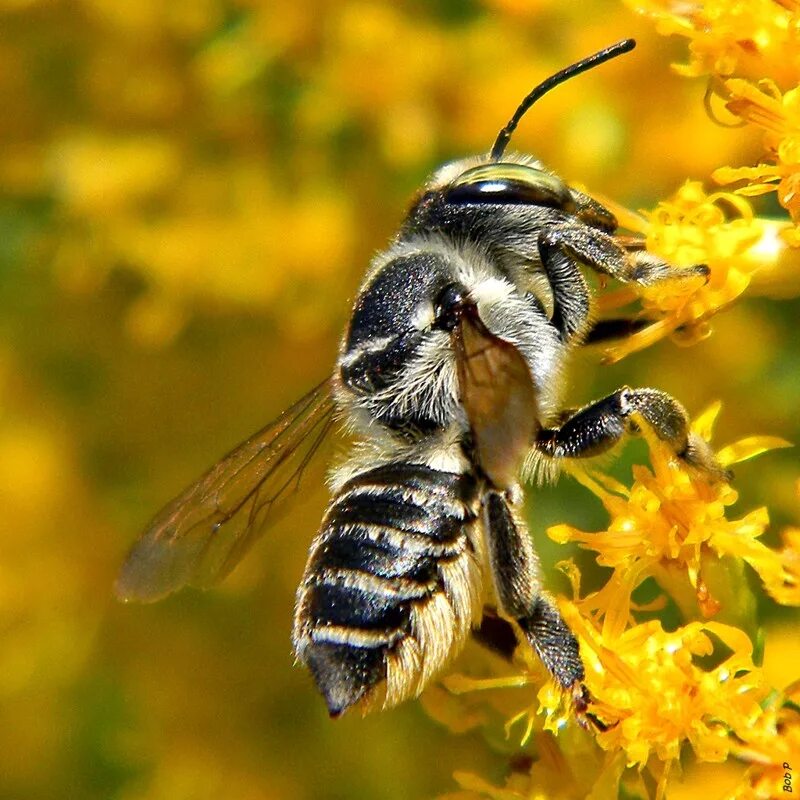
(391, 586)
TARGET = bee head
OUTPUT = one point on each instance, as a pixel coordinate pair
(499, 180)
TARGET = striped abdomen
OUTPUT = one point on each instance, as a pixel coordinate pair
(392, 584)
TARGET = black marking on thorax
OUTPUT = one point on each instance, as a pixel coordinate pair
(386, 306)
(384, 337)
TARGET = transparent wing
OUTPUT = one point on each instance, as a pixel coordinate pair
(203, 533)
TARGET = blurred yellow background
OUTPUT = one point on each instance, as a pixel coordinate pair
(190, 192)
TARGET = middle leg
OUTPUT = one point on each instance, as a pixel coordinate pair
(596, 428)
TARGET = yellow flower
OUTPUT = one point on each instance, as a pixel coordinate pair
(769, 746)
(779, 116)
(726, 36)
(653, 695)
(750, 40)
(651, 689)
(672, 525)
(693, 228)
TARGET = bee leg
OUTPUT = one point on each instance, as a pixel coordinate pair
(597, 427)
(588, 210)
(520, 595)
(581, 244)
(571, 303)
(496, 634)
(607, 330)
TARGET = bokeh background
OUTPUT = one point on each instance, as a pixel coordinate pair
(189, 193)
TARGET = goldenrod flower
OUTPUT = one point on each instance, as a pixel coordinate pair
(694, 227)
(650, 688)
(740, 43)
(654, 691)
(779, 115)
(653, 695)
(671, 524)
(732, 36)
(771, 742)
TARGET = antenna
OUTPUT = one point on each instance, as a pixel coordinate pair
(614, 50)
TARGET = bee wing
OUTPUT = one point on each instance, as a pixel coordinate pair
(200, 536)
(499, 399)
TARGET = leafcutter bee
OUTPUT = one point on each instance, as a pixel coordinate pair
(449, 376)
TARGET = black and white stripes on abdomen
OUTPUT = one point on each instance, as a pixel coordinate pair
(393, 583)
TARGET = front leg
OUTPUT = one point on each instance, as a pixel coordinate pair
(603, 253)
(521, 598)
(596, 428)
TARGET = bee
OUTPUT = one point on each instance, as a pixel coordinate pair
(449, 377)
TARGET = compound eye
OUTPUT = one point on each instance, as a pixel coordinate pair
(450, 306)
(513, 184)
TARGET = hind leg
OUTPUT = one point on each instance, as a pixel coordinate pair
(520, 595)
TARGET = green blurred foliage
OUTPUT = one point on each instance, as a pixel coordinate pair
(189, 192)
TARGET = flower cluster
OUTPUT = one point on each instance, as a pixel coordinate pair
(778, 115)
(660, 692)
(726, 37)
(751, 50)
(736, 43)
(655, 690)
(672, 524)
(719, 230)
